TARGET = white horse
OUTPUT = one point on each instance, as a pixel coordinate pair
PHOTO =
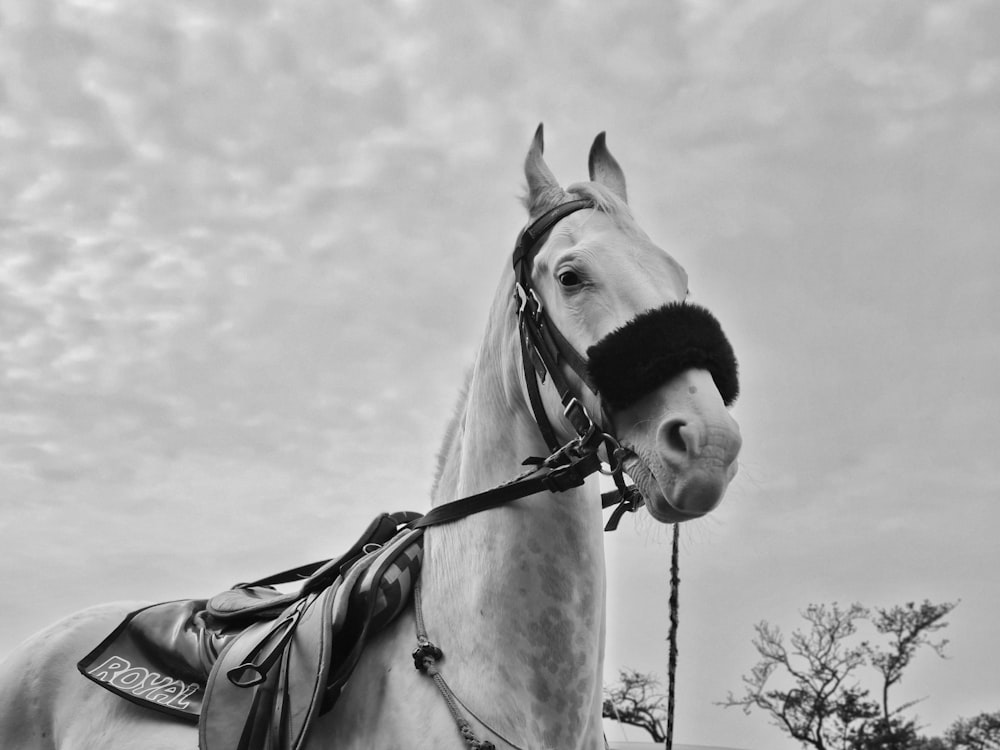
(514, 596)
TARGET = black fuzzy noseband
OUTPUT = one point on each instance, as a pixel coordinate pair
(657, 345)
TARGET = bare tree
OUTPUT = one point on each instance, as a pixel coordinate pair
(908, 628)
(825, 707)
(636, 699)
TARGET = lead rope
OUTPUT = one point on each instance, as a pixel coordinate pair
(425, 658)
(675, 583)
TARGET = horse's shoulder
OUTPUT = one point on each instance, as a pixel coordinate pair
(49, 655)
(44, 697)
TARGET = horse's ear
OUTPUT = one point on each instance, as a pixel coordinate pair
(544, 191)
(605, 170)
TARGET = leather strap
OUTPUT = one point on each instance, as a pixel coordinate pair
(380, 530)
(551, 479)
(531, 235)
(532, 374)
(543, 347)
(536, 337)
(567, 352)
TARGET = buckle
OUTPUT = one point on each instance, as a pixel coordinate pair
(525, 298)
(572, 474)
(521, 297)
(563, 478)
(580, 418)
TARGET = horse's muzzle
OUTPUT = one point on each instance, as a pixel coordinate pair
(684, 446)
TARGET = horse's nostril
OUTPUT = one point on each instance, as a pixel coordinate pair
(678, 439)
(681, 438)
(675, 437)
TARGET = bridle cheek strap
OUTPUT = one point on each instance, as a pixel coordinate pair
(543, 348)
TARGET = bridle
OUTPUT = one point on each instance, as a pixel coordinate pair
(619, 369)
(543, 350)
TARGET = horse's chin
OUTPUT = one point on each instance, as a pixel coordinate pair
(675, 499)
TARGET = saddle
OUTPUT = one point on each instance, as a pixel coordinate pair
(253, 665)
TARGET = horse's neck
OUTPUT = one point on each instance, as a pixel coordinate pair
(515, 596)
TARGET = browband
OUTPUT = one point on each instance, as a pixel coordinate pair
(530, 235)
(646, 352)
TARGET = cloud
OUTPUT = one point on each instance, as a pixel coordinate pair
(248, 251)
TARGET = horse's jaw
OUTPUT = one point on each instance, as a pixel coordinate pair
(683, 446)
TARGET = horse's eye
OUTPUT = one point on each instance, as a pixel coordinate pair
(569, 278)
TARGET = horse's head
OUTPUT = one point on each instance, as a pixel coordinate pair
(659, 369)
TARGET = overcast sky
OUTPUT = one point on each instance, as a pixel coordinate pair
(246, 252)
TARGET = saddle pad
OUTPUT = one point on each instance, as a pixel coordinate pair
(159, 657)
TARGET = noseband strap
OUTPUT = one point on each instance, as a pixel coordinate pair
(657, 345)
